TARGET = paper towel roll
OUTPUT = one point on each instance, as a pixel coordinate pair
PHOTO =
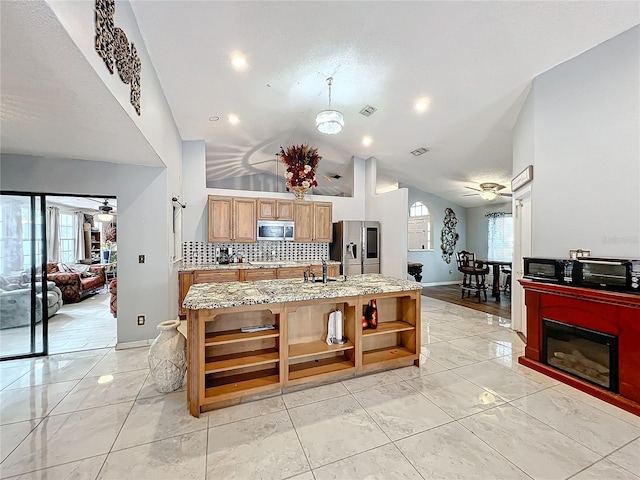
(338, 320)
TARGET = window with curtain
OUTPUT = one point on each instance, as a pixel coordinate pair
(500, 236)
(67, 238)
(420, 228)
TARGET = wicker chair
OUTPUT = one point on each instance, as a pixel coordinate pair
(473, 274)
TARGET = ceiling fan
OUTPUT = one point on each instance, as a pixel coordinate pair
(488, 191)
(105, 212)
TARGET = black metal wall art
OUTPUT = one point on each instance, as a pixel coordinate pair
(113, 46)
(449, 236)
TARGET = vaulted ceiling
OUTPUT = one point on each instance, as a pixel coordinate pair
(473, 61)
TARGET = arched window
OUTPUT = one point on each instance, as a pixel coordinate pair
(420, 228)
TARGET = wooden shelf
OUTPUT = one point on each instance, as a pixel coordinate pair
(389, 327)
(261, 379)
(384, 354)
(234, 336)
(318, 367)
(235, 361)
(310, 349)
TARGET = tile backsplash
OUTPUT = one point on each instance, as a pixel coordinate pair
(203, 252)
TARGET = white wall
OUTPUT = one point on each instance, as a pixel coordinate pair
(156, 120)
(390, 210)
(434, 268)
(142, 228)
(143, 193)
(586, 152)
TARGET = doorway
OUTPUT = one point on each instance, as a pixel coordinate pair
(69, 308)
(84, 268)
(522, 248)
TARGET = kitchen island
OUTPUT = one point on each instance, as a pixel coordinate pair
(227, 365)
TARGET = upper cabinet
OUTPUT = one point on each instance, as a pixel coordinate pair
(323, 222)
(271, 209)
(231, 219)
(313, 221)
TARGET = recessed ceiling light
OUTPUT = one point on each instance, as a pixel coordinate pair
(422, 104)
(214, 118)
(366, 140)
(239, 61)
(419, 151)
(233, 119)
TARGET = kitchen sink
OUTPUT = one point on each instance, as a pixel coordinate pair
(274, 264)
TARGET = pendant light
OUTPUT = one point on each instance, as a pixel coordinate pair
(329, 121)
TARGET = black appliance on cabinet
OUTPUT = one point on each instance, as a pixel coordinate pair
(607, 274)
(548, 270)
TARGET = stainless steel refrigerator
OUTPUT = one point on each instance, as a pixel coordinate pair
(356, 245)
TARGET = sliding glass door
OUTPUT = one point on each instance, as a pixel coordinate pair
(23, 289)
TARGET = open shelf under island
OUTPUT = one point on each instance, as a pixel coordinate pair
(227, 365)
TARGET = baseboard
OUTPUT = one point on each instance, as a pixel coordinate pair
(435, 284)
(137, 344)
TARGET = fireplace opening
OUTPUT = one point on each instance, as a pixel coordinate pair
(584, 353)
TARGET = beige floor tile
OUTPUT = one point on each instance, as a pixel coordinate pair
(183, 457)
(316, 394)
(628, 457)
(334, 429)
(265, 447)
(605, 470)
(67, 438)
(451, 452)
(381, 463)
(12, 434)
(86, 469)
(31, 402)
(245, 410)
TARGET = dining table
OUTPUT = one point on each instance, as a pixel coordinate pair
(496, 264)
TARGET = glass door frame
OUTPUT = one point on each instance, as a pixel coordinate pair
(33, 197)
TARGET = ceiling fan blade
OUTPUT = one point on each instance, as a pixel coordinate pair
(469, 194)
(474, 189)
(506, 194)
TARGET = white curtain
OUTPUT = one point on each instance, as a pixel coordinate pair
(79, 250)
(53, 234)
(500, 237)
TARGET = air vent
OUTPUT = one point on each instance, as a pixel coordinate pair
(419, 151)
(368, 111)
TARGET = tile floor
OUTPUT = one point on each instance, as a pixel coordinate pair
(85, 325)
(469, 411)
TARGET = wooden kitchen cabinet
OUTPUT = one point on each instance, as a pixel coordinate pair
(303, 215)
(231, 219)
(260, 274)
(323, 222)
(313, 221)
(271, 209)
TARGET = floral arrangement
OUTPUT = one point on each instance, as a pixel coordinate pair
(301, 161)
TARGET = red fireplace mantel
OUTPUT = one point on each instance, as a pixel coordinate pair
(608, 312)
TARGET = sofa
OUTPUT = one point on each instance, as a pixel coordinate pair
(78, 282)
(15, 303)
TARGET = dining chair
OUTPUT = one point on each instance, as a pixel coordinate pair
(474, 274)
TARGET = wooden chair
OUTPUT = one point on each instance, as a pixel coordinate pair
(473, 274)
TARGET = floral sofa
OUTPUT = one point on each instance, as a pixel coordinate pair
(78, 282)
(15, 302)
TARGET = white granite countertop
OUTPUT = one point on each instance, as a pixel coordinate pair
(233, 294)
(190, 267)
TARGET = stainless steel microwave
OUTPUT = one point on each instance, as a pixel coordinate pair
(275, 230)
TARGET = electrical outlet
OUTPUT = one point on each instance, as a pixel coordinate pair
(140, 258)
(141, 319)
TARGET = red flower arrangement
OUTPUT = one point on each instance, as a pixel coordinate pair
(301, 161)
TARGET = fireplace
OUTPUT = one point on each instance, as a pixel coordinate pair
(587, 354)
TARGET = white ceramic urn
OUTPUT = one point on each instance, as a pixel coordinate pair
(168, 357)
